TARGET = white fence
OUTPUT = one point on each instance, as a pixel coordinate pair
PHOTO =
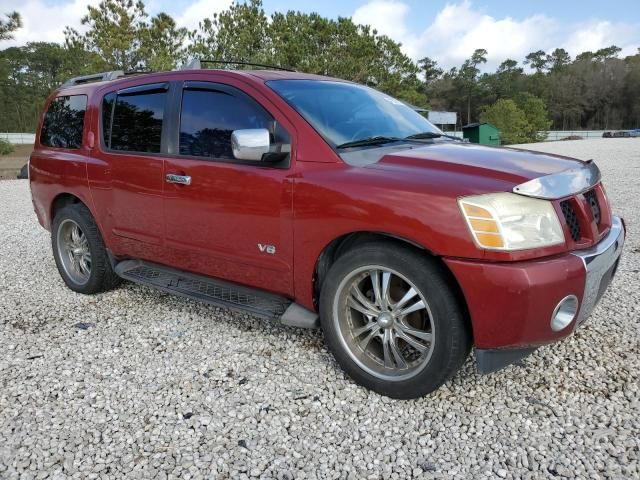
(19, 138)
(554, 135)
(586, 134)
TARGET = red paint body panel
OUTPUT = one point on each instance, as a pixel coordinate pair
(227, 211)
(507, 164)
(214, 225)
(511, 303)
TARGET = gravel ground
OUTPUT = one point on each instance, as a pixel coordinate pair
(139, 384)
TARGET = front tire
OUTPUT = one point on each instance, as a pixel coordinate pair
(79, 251)
(392, 320)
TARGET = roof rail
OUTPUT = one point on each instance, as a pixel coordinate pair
(94, 77)
(196, 64)
(100, 77)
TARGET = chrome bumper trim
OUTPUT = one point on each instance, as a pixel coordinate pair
(561, 184)
(600, 262)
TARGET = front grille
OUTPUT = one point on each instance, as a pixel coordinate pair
(592, 199)
(572, 219)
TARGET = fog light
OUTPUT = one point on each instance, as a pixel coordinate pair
(564, 313)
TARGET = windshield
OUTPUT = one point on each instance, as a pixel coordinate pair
(345, 112)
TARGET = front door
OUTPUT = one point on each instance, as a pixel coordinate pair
(227, 218)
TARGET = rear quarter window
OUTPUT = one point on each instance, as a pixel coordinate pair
(64, 122)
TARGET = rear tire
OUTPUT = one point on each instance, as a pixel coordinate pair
(392, 320)
(79, 251)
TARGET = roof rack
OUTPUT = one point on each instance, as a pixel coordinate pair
(100, 77)
(196, 64)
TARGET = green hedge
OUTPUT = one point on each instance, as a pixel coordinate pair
(5, 147)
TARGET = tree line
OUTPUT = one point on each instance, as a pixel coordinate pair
(595, 90)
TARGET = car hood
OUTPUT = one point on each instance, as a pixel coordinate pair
(507, 165)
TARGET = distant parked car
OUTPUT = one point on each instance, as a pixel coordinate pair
(621, 134)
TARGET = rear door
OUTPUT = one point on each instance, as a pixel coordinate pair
(233, 219)
(126, 172)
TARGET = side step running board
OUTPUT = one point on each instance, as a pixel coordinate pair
(217, 292)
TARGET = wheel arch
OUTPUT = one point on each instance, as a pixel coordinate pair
(101, 276)
(64, 199)
(340, 245)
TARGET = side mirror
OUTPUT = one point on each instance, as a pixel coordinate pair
(250, 144)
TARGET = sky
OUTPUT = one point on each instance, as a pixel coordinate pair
(447, 31)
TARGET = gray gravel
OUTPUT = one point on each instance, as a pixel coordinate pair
(141, 384)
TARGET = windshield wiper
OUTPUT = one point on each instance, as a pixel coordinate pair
(364, 142)
(429, 135)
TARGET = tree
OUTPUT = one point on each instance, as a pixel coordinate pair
(536, 115)
(429, 69)
(558, 59)
(116, 33)
(27, 76)
(7, 27)
(507, 80)
(564, 98)
(509, 119)
(309, 43)
(238, 33)
(595, 90)
(536, 60)
(120, 37)
(509, 66)
(607, 53)
(630, 91)
(394, 73)
(162, 43)
(585, 56)
(468, 75)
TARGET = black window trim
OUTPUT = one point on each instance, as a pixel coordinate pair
(84, 123)
(170, 136)
(101, 119)
(144, 88)
(175, 114)
(138, 89)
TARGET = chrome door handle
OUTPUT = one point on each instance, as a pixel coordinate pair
(181, 179)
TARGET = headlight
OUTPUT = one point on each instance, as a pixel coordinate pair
(506, 221)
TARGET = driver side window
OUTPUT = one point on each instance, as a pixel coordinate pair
(210, 115)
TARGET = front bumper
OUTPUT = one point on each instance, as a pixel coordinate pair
(600, 263)
(511, 304)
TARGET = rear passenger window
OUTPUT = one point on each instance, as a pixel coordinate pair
(210, 116)
(136, 120)
(64, 122)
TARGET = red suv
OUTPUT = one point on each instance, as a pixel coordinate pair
(319, 202)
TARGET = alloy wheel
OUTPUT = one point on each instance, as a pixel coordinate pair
(74, 252)
(384, 322)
